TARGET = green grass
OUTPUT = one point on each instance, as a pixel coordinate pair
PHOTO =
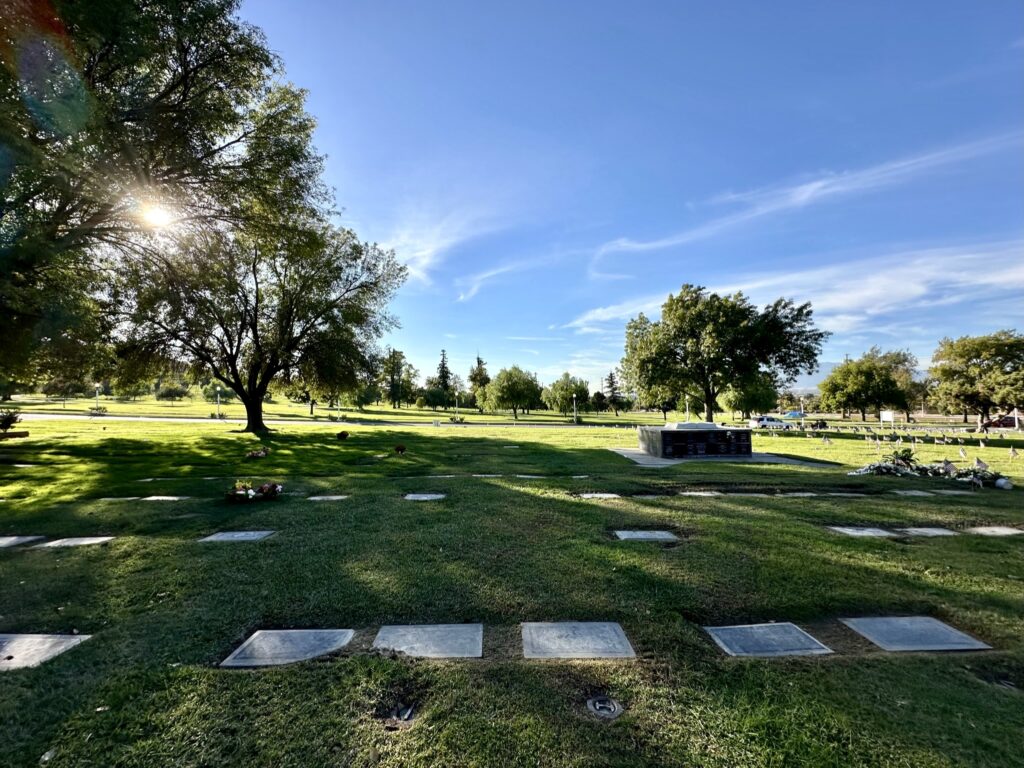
(282, 409)
(164, 610)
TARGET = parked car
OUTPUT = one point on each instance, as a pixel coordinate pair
(768, 422)
(1001, 422)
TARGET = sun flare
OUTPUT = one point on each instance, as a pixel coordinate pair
(155, 216)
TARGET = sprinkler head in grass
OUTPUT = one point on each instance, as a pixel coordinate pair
(604, 707)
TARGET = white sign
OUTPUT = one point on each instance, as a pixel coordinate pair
(889, 416)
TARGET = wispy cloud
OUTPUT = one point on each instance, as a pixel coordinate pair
(470, 285)
(897, 289)
(422, 240)
(535, 338)
(768, 201)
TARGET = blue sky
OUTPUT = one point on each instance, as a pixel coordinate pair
(549, 170)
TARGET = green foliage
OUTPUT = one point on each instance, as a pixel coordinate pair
(64, 388)
(757, 395)
(599, 401)
(980, 373)
(709, 342)
(83, 89)
(444, 374)
(8, 418)
(172, 392)
(515, 390)
(559, 395)
(870, 382)
(210, 393)
(478, 379)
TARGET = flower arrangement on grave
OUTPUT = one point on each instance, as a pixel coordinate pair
(244, 491)
(400, 449)
(903, 463)
(343, 435)
(259, 453)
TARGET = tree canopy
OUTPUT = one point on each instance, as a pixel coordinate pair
(559, 395)
(980, 373)
(254, 310)
(513, 389)
(711, 342)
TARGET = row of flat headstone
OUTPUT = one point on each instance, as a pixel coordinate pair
(788, 494)
(890, 633)
(540, 640)
(882, 533)
(271, 647)
(595, 495)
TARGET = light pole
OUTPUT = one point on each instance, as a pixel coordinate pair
(218, 401)
(97, 385)
(687, 407)
(456, 406)
(575, 418)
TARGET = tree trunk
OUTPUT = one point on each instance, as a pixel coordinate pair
(863, 414)
(254, 414)
(515, 415)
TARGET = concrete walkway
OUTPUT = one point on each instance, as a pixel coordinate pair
(646, 460)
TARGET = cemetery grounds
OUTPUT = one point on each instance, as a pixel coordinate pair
(518, 543)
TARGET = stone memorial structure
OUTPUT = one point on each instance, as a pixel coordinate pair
(692, 440)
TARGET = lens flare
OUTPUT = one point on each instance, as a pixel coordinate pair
(155, 216)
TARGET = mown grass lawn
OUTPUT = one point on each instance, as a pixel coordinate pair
(164, 610)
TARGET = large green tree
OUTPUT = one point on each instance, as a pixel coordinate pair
(758, 394)
(711, 342)
(114, 115)
(861, 384)
(980, 373)
(253, 310)
(559, 395)
(513, 389)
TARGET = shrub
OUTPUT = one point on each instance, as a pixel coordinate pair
(421, 402)
(8, 418)
(98, 410)
(457, 419)
(343, 435)
(226, 395)
(172, 392)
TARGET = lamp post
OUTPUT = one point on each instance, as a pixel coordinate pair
(575, 418)
(218, 401)
(456, 406)
(687, 407)
(97, 385)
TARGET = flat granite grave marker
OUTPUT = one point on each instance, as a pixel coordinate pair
(238, 536)
(433, 641)
(599, 496)
(166, 498)
(270, 647)
(575, 640)
(120, 498)
(646, 536)
(955, 493)
(913, 633)
(327, 498)
(782, 639)
(700, 493)
(849, 530)
(424, 496)
(21, 651)
(14, 541)
(995, 530)
(75, 541)
(912, 493)
(926, 531)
